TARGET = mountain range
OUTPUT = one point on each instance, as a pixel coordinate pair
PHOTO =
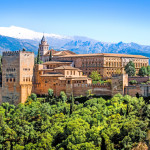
(16, 38)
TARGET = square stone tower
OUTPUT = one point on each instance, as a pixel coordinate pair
(17, 75)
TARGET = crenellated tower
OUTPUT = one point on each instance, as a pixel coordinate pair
(17, 76)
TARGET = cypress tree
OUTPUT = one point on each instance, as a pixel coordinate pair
(38, 57)
(72, 105)
(24, 49)
(50, 56)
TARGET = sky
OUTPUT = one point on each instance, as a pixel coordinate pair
(103, 20)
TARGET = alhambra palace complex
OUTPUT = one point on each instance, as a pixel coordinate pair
(68, 72)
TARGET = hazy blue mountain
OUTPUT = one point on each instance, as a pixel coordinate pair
(16, 38)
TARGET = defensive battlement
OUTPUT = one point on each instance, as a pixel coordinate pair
(10, 53)
(103, 85)
(14, 53)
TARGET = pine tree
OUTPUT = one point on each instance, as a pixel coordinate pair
(50, 56)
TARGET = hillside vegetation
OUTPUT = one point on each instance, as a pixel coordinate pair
(57, 124)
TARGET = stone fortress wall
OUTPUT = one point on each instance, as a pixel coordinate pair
(67, 72)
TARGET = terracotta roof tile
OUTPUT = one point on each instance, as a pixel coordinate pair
(56, 62)
(59, 53)
(105, 54)
(66, 68)
(52, 75)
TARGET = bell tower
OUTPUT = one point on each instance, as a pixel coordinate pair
(43, 46)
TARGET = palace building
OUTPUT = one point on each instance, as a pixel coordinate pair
(66, 72)
(106, 64)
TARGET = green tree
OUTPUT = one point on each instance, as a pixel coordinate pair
(38, 57)
(24, 49)
(33, 96)
(142, 71)
(95, 76)
(148, 70)
(50, 93)
(0, 64)
(98, 124)
(72, 105)
(130, 68)
(63, 96)
(50, 56)
(37, 60)
(50, 97)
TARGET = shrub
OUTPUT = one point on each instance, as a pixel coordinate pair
(133, 82)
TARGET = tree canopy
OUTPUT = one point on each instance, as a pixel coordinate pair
(98, 124)
(143, 71)
(130, 68)
(95, 76)
(148, 70)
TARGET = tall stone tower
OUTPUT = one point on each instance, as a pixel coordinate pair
(43, 47)
(17, 74)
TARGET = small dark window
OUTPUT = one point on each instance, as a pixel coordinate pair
(10, 79)
(7, 80)
(14, 79)
(68, 82)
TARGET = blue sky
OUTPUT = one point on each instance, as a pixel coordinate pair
(103, 20)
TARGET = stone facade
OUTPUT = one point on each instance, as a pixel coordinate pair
(17, 74)
(21, 77)
(140, 89)
(71, 81)
(62, 77)
(66, 72)
(105, 64)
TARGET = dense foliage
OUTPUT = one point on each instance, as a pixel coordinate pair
(148, 70)
(143, 71)
(53, 123)
(95, 76)
(130, 68)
